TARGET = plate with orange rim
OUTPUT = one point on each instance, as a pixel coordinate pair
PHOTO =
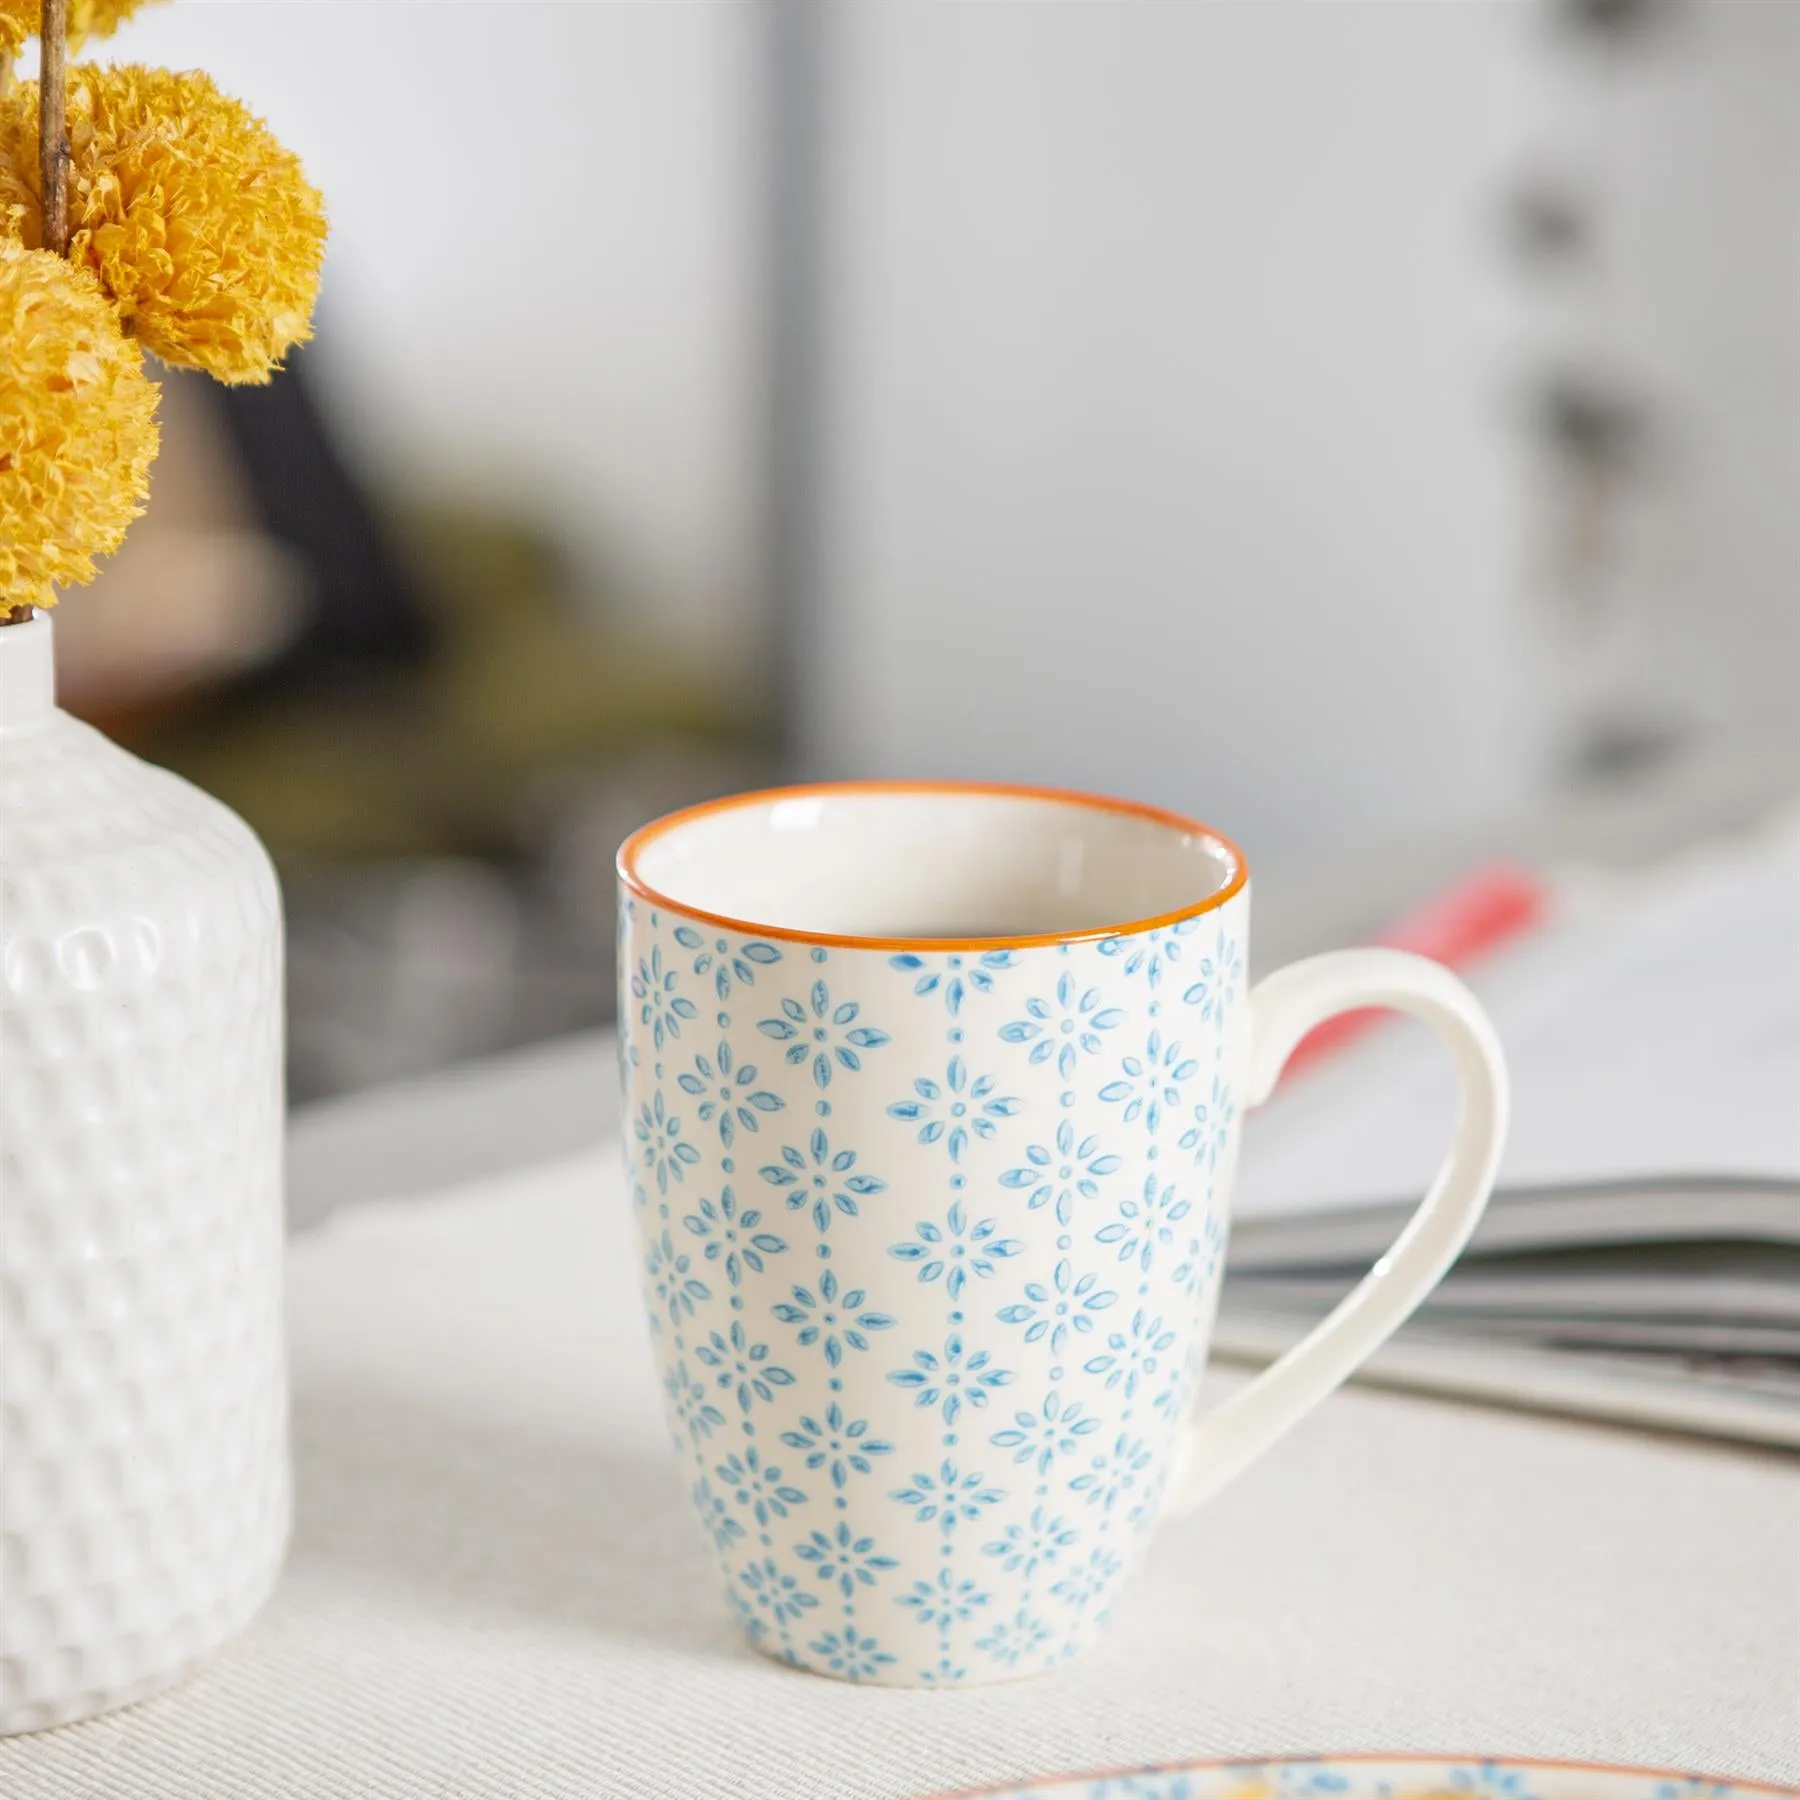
(1383, 1778)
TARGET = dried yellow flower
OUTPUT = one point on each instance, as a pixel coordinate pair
(98, 18)
(18, 21)
(77, 426)
(87, 19)
(202, 228)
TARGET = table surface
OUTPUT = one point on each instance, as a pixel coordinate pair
(495, 1588)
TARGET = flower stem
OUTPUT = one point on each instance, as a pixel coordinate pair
(53, 136)
(53, 160)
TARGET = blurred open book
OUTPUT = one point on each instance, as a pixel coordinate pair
(1641, 1257)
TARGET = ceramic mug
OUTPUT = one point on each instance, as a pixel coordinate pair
(932, 1096)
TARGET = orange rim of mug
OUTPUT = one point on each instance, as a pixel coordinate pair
(635, 845)
(1421, 1759)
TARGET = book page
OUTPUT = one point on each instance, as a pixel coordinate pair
(1658, 1037)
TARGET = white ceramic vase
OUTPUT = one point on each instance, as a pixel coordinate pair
(144, 1481)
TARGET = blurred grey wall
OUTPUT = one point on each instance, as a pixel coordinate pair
(1197, 422)
(1669, 564)
(1166, 443)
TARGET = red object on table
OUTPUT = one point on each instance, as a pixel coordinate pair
(1488, 908)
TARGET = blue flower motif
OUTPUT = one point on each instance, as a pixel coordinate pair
(824, 1178)
(1150, 953)
(1115, 1477)
(955, 975)
(659, 1133)
(755, 1628)
(1064, 1026)
(716, 1517)
(944, 1672)
(1490, 1778)
(672, 1279)
(951, 1111)
(725, 962)
(1144, 1226)
(843, 1559)
(1068, 1305)
(1093, 1576)
(1151, 1081)
(1131, 1356)
(854, 1658)
(759, 1487)
(1042, 1437)
(956, 1249)
(953, 1379)
(732, 1235)
(1211, 1129)
(1059, 1175)
(697, 1415)
(770, 1590)
(727, 1092)
(1038, 1543)
(1014, 1639)
(945, 1602)
(1201, 1260)
(828, 1034)
(832, 1317)
(660, 1009)
(1177, 1390)
(839, 1445)
(1220, 972)
(742, 1367)
(949, 1498)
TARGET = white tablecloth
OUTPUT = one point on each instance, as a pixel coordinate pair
(495, 1588)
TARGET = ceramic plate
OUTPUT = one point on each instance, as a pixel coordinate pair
(1384, 1778)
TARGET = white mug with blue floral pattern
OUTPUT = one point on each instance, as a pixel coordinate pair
(932, 1095)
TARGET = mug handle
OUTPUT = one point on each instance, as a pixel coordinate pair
(1284, 1007)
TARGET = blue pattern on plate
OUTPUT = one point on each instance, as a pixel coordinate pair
(1381, 1778)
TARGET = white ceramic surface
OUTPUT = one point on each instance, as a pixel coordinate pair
(1384, 1778)
(931, 1158)
(144, 1488)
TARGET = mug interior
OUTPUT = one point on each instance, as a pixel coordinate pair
(881, 864)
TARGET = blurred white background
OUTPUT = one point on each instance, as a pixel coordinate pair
(1361, 423)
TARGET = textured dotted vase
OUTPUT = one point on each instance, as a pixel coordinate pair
(144, 1484)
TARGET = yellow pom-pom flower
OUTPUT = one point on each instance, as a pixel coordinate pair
(77, 426)
(98, 18)
(201, 227)
(87, 19)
